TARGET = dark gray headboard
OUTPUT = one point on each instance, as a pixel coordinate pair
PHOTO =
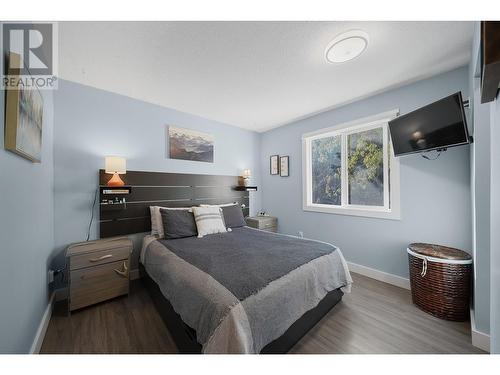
(162, 189)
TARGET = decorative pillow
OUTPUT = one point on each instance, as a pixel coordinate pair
(221, 206)
(178, 223)
(233, 216)
(156, 222)
(209, 221)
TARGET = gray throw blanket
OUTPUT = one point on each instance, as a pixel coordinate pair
(245, 260)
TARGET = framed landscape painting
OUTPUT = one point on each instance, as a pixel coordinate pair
(187, 144)
(24, 121)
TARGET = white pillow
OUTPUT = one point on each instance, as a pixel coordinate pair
(209, 220)
(157, 222)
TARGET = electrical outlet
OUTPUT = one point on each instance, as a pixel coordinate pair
(50, 277)
(301, 234)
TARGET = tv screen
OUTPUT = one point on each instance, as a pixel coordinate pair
(436, 126)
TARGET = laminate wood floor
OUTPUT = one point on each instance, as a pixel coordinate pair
(375, 318)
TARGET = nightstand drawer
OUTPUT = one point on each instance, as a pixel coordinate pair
(96, 284)
(98, 257)
(267, 224)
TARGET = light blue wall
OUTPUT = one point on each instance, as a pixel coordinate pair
(480, 170)
(480, 188)
(92, 123)
(495, 225)
(27, 236)
(435, 195)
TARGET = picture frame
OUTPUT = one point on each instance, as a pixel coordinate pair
(284, 166)
(23, 118)
(274, 167)
(189, 144)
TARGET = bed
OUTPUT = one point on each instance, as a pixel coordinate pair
(247, 291)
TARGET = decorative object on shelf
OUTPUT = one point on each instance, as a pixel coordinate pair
(274, 167)
(187, 144)
(116, 200)
(246, 177)
(115, 165)
(284, 166)
(120, 190)
(440, 279)
(23, 118)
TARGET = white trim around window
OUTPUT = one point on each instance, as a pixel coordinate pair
(391, 178)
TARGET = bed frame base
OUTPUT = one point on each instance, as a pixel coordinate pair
(185, 337)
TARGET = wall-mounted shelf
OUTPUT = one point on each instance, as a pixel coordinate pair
(246, 188)
(115, 190)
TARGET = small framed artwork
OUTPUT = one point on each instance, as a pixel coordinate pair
(284, 166)
(274, 167)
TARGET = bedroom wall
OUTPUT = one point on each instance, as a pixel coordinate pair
(435, 195)
(495, 224)
(27, 235)
(92, 123)
(480, 189)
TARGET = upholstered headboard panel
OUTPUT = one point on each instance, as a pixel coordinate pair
(162, 189)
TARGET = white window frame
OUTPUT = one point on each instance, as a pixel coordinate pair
(391, 208)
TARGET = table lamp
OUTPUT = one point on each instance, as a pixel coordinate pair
(116, 166)
(246, 177)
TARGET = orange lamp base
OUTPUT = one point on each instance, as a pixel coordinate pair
(116, 180)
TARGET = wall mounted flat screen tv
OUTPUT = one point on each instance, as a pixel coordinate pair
(436, 126)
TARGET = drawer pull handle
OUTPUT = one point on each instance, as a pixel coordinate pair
(93, 260)
(123, 273)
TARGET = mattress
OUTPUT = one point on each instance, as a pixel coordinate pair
(241, 290)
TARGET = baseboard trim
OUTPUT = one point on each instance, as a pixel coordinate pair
(479, 339)
(134, 274)
(380, 275)
(42, 328)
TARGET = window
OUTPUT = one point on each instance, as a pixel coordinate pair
(351, 169)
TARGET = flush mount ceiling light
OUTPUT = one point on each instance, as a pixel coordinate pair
(346, 46)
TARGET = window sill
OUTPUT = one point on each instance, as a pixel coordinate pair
(362, 212)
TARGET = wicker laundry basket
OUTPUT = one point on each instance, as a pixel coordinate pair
(440, 279)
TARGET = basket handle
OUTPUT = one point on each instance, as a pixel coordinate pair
(424, 267)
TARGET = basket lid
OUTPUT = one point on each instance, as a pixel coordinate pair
(440, 252)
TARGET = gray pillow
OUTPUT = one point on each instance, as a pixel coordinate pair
(178, 223)
(233, 216)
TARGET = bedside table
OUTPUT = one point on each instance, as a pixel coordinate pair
(267, 223)
(98, 271)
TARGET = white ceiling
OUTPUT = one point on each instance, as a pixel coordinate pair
(255, 75)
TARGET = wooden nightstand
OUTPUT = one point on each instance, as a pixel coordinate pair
(267, 223)
(98, 271)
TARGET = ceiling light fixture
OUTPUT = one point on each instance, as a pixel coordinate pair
(346, 46)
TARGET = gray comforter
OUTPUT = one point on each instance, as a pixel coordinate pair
(243, 289)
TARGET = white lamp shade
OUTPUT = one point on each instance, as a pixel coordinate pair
(115, 164)
(247, 173)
